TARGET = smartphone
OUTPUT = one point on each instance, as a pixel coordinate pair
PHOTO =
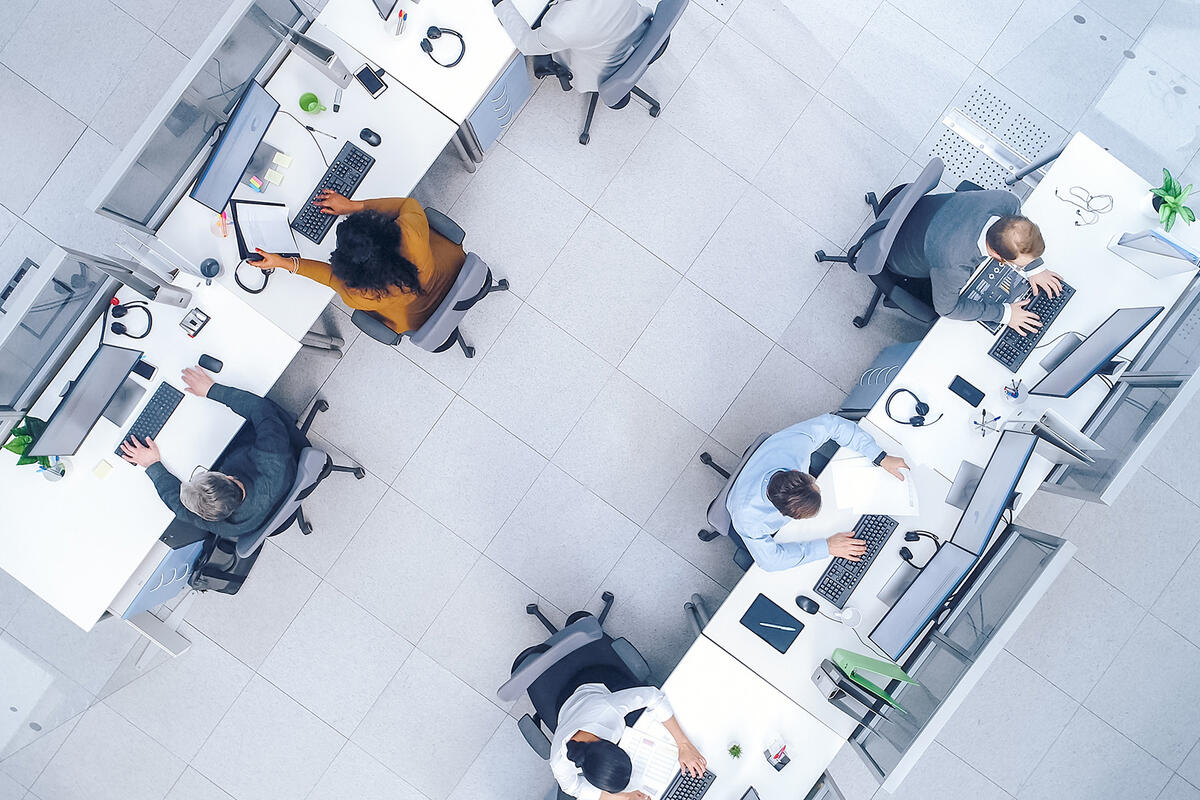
(966, 391)
(144, 370)
(370, 81)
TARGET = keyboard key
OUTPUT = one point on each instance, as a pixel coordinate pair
(841, 577)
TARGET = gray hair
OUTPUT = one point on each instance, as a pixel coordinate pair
(212, 496)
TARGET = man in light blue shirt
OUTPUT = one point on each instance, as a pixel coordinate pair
(775, 485)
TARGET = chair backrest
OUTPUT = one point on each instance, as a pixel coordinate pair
(618, 85)
(718, 515)
(869, 255)
(309, 472)
(473, 279)
(559, 646)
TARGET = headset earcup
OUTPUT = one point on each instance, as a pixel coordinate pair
(427, 46)
(116, 312)
(119, 328)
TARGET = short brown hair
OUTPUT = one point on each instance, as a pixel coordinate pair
(1014, 236)
(794, 494)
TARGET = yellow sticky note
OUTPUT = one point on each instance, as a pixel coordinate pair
(274, 177)
(102, 469)
(283, 160)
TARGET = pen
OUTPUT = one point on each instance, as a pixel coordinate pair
(776, 627)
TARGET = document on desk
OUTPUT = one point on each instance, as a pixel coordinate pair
(655, 761)
(263, 225)
(866, 489)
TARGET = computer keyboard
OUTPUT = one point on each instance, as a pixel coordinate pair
(841, 577)
(688, 787)
(155, 414)
(343, 176)
(1012, 348)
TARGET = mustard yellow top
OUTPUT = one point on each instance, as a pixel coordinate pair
(437, 259)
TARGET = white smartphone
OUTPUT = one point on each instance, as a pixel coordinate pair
(370, 81)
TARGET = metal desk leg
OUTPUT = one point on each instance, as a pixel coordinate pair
(464, 155)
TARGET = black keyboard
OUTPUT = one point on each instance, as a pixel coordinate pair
(688, 787)
(343, 176)
(155, 414)
(841, 577)
(1012, 348)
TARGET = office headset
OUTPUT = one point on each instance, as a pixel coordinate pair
(119, 310)
(917, 420)
(435, 32)
(915, 536)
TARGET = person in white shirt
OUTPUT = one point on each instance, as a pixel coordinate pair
(591, 38)
(584, 756)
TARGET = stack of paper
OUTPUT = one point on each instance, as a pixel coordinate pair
(864, 488)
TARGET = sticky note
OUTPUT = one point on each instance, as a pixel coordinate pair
(274, 177)
(282, 160)
(256, 184)
(102, 469)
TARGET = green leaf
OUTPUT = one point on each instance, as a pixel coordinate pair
(1159, 193)
(1184, 192)
(18, 444)
(44, 462)
(1166, 217)
(1188, 215)
(23, 460)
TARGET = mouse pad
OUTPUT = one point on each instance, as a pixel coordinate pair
(771, 623)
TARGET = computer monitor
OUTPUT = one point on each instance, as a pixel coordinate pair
(233, 151)
(1095, 352)
(921, 601)
(995, 488)
(85, 400)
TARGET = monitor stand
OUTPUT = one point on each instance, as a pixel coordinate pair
(963, 488)
(124, 402)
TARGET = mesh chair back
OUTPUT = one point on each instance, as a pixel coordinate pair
(309, 472)
(718, 515)
(473, 278)
(869, 256)
(617, 86)
(571, 638)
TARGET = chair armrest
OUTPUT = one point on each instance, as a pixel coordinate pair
(632, 658)
(912, 305)
(444, 226)
(533, 734)
(374, 327)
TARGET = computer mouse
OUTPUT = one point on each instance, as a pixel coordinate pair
(209, 363)
(807, 604)
(370, 137)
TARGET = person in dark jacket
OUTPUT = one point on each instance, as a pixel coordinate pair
(252, 478)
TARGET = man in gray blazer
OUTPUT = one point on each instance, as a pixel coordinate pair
(947, 236)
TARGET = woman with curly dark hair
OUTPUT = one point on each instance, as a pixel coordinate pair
(386, 260)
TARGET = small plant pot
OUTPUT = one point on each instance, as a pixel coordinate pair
(735, 750)
(55, 472)
(1151, 205)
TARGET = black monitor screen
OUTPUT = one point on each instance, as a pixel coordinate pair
(995, 487)
(922, 599)
(85, 401)
(1095, 351)
(233, 152)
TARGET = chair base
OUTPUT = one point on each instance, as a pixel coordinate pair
(707, 460)
(706, 535)
(585, 135)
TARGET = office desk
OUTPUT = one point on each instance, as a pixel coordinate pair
(719, 702)
(77, 541)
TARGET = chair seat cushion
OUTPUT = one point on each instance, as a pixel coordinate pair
(595, 662)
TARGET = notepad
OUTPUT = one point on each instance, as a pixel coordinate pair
(771, 623)
(864, 488)
(262, 225)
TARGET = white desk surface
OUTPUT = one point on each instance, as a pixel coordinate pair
(719, 702)
(75, 542)
(413, 134)
(454, 91)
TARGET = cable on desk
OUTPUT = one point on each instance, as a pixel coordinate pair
(865, 642)
(266, 279)
(312, 134)
(1056, 338)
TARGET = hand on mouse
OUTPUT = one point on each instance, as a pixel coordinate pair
(198, 381)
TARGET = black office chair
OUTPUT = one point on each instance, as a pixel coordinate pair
(550, 672)
(868, 255)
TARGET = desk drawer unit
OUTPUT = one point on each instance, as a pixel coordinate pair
(499, 108)
(166, 579)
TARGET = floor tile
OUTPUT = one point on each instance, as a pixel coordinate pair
(603, 288)
(88, 658)
(444, 182)
(268, 747)
(428, 726)
(150, 13)
(546, 134)
(140, 89)
(851, 775)
(1169, 32)
(309, 370)
(683, 512)
(626, 419)
(523, 217)
(335, 659)
(782, 392)
(896, 78)
(1135, 707)
(15, 11)
(402, 566)
(59, 211)
(1191, 767)
(561, 540)
(249, 623)
(506, 768)
(178, 703)
(536, 381)
(649, 613)
(823, 335)
(941, 775)
(189, 23)
(759, 263)
(470, 473)
(483, 628)
(808, 37)
(35, 142)
(404, 400)
(737, 103)
(692, 35)
(696, 355)
(826, 192)
(12, 595)
(1091, 761)
(335, 510)
(1148, 517)
(969, 27)
(1049, 513)
(87, 55)
(40, 697)
(354, 774)
(1134, 17)
(1075, 631)
(1008, 722)
(107, 758)
(10, 789)
(25, 765)
(1179, 604)
(1169, 459)
(1179, 789)
(670, 196)
(194, 786)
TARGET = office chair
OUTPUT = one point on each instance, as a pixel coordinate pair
(441, 332)
(868, 255)
(550, 672)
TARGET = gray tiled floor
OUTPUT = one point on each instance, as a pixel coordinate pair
(664, 303)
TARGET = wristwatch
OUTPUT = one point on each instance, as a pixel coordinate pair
(879, 458)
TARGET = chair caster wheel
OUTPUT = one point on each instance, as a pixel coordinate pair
(819, 255)
(532, 608)
(360, 473)
(469, 352)
(502, 284)
(706, 535)
(870, 199)
(706, 459)
(607, 597)
(859, 322)
(306, 529)
(655, 110)
(322, 405)
(584, 138)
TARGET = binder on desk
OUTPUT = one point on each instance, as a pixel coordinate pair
(267, 226)
(771, 623)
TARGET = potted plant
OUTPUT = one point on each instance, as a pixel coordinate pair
(22, 437)
(1168, 202)
(735, 751)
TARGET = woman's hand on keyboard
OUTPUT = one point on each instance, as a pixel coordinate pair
(690, 760)
(330, 202)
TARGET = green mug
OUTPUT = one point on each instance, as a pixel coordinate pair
(310, 103)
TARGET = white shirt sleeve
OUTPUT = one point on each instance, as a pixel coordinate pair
(1007, 313)
(570, 778)
(647, 697)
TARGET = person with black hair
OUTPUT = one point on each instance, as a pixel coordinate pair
(584, 756)
(386, 260)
